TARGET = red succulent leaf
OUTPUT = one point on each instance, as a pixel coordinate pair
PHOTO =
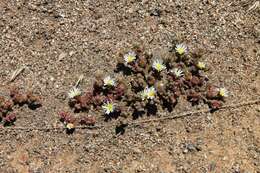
(10, 118)
(215, 104)
(65, 117)
(196, 81)
(90, 120)
(97, 86)
(7, 105)
(20, 98)
(119, 90)
(98, 100)
(142, 62)
(212, 92)
(110, 98)
(33, 99)
(193, 96)
(84, 100)
(173, 99)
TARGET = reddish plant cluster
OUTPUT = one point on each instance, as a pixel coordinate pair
(148, 85)
(20, 98)
(182, 76)
(16, 98)
(214, 100)
(97, 96)
(70, 120)
(6, 108)
(66, 118)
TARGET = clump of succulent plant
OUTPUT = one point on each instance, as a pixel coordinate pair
(70, 121)
(17, 97)
(6, 108)
(87, 120)
(81, 102)
(194, 97)
(148, 84)
(20, 98)
(66, 117)
(215, 96)
(104, 93)
(6, 105)
(183, 75)
(9, 119)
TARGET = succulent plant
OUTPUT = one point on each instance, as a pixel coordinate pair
(88, 120)
(66, 117)
(147, 85)
(9, 119)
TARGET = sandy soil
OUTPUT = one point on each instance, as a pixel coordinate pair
(60, 40)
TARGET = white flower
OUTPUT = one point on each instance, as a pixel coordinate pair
(70, 126)
(201, 65)
(74, 92)
(223, 92)
(148, 93)
(181, 49)
(177, 72)
(158, 65)
(108, 81)
(151, 93)
(108, 107)
(143, 94)
(129, 57)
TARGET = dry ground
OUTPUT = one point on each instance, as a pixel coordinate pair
(60, 40)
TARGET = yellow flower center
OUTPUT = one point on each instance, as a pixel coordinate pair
(222, 92)
(151, 94)
(159, 66)
(110, 107)
(110, 82)
(180, 50)
(201, 65)
(130, 58)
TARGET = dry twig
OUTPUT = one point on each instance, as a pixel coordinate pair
(79, 80)
(16, 73)
(254, 6)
